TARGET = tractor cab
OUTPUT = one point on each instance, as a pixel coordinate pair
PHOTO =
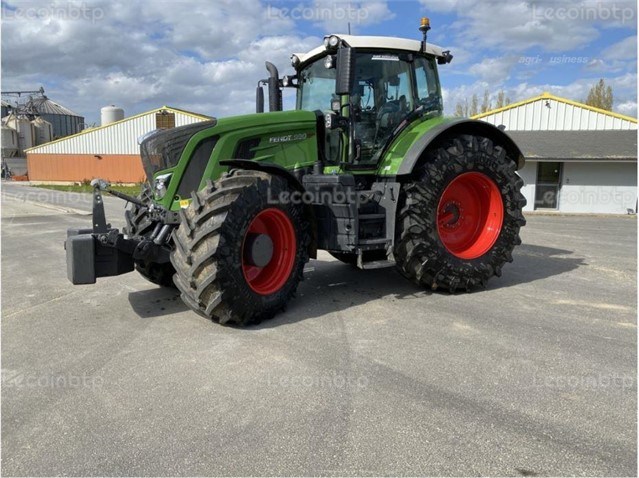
(382, 86)
(369, 89)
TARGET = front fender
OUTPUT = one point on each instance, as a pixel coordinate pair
(457, 127)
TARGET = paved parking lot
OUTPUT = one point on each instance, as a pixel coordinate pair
(363, 374)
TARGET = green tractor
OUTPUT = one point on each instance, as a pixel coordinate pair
(366, 167)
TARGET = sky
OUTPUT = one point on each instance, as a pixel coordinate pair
(207, 56)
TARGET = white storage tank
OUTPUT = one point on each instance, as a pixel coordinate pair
(111, 114)
(22, 125)
(9, 142)
(42, 131)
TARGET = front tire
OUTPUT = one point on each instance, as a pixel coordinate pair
(238, 257)
(461, 216)
(138, 223)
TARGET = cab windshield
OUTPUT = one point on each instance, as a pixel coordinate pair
(388, 86)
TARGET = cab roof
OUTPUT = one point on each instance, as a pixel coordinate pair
(374, 43)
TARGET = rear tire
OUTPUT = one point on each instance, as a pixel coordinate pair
(138, 223)
(214, 271)
(459, 220)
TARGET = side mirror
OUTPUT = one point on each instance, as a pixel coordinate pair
(445, 58)
(345, 71)
(290, 81)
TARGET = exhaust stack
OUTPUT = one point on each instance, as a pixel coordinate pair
(274, 91)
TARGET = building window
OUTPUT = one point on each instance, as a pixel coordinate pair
(548, 183)
(164, 120)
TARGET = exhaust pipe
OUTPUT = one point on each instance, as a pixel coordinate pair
(259, 97)
(274, 91)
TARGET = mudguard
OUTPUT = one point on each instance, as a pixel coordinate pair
(269, 168)
(460, 126)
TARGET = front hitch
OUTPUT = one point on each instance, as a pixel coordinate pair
(103, 251)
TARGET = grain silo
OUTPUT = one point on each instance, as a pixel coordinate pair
(42, 131)
(9, 142)
(64, 121)
(6, 108)
(21, 124)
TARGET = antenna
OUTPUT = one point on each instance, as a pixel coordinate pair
(349, 28)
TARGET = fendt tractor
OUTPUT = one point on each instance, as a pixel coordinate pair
(366, 167)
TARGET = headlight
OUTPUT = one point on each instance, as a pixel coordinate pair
(329, 62)
(331, 42)
(160, 184)
(295, 61)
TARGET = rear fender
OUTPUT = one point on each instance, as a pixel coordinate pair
(462, 126)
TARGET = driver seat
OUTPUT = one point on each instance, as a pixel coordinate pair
(390, 114)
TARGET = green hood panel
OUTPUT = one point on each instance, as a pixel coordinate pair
(263, 119)
(286, 138)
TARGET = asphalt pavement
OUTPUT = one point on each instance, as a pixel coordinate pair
(364, 374)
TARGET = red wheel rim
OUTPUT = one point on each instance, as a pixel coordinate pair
(279, 228)
(470, 215)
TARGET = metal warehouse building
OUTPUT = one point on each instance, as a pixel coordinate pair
(110, 151)
(578, 158)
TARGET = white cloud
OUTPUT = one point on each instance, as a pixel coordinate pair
(625, 49)
(494, 70)
(519, 25)
(617, 58)
(206, 57)
(596, 64)
(464, 93)
(334, 16)
(624, 92)
(628, 108)
(447, 6)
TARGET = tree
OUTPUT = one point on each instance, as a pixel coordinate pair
(461, 109)
(600, 96)
(474, 105)
(486, 103)
(501, 99)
